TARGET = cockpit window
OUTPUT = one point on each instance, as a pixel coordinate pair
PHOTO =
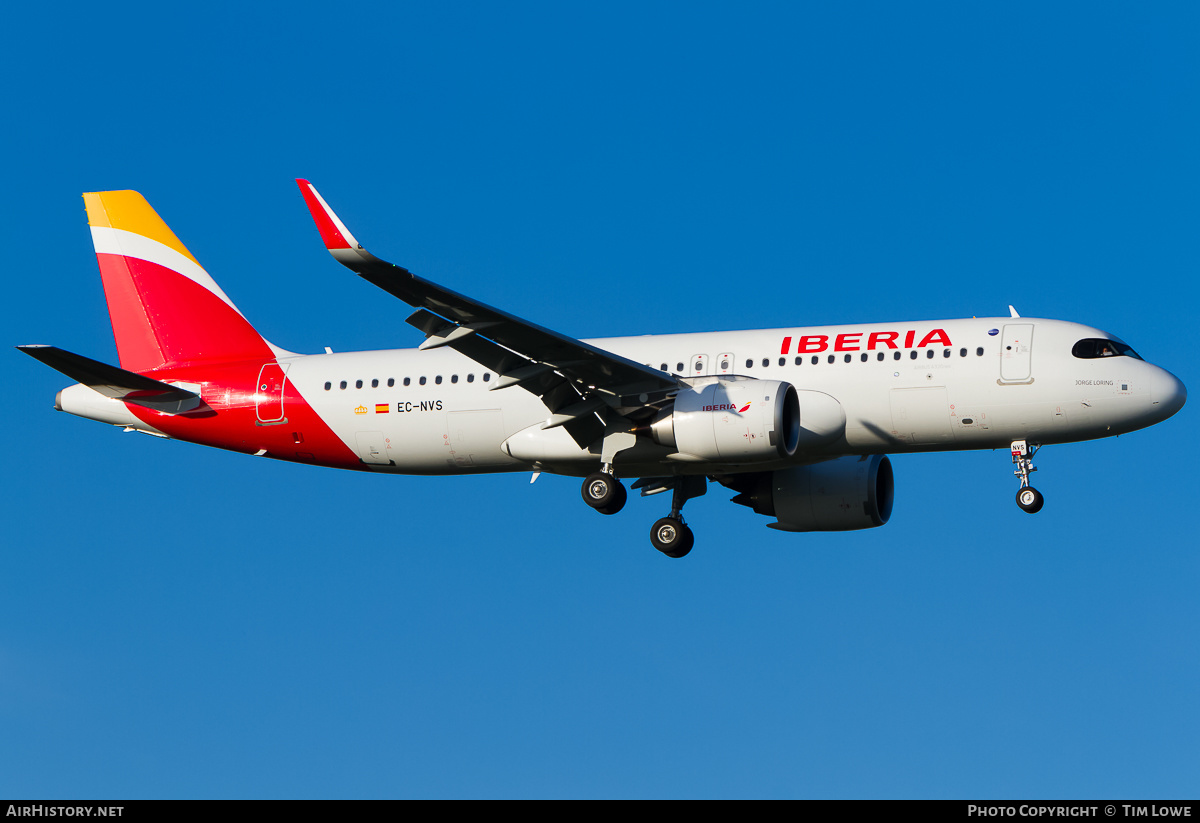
(1093, 347)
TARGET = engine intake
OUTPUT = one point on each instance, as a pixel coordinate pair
(731, 420)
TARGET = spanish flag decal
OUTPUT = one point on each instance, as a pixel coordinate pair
(382, 408)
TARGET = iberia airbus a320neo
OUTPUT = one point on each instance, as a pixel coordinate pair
(797, 421)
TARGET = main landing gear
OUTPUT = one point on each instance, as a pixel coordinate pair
(1028, 498)
(670, 535)
(604, 492)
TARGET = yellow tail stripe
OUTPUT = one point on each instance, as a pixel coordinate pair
(129, 211)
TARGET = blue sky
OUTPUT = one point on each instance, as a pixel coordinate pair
(183, 622)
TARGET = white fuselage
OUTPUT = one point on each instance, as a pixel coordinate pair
(921, 386)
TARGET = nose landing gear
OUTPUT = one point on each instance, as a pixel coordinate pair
(1028, 498)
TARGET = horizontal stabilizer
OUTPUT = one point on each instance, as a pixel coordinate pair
(115, 382)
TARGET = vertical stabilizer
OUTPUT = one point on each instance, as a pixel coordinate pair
(165, 308)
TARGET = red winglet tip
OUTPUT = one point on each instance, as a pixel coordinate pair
(333, 234)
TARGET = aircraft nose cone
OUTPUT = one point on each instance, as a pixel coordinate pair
(1167, 393)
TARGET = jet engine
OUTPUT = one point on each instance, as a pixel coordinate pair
(843, 494)
(731, 420)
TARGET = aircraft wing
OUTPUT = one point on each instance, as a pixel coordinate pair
(575, 380)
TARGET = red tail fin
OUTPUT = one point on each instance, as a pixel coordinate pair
(165, 308)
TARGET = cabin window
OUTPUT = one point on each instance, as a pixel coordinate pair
(408, 381)
(766, 362)
(783, 361)
(471, 378)
(699, 366)
(929, 354)
(375, 383)
(863, 357)
(343, 384)
(815, 360)
(945, 352)
(662, 366)
(896, 356)
(979, 352)
(1093, 347)
(832, 358)
(358, 384)
(422, 381)
(328, 385)
(799, 361)
(391, 382)
(679, 367)
(847, 358)
(454, 378)
(438, 380)
(879, 357)
(749, 364)
(912, 355)
(487, 376)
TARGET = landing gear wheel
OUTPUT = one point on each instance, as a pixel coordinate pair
(618, 502)
(604, 493)
(672, 537)
(1030, 499)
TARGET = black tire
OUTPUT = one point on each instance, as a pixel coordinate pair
(601, 490)
(618, 502)
(672, 537)
(1030, 499)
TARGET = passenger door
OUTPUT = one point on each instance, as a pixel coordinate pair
(1016, 356)
(268, 394)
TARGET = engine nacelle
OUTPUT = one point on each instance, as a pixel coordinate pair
(822, 420)
(837, 495)
(731, 420)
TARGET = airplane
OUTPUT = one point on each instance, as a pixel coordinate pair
(798, 422)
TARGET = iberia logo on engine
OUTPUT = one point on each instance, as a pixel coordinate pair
(726, 407)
